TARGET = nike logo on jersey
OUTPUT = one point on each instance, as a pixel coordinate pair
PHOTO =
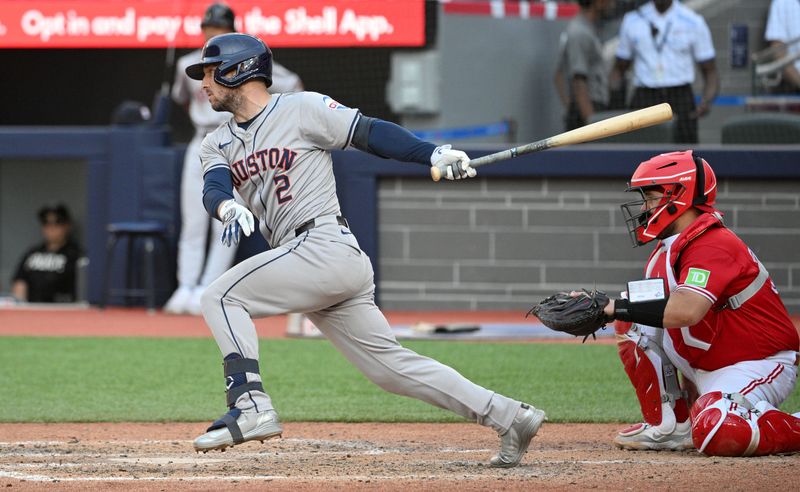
(345, 233)
(223, 145)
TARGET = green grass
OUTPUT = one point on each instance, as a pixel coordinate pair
(139, 379)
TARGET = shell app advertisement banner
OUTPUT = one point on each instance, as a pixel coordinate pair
(159, 24)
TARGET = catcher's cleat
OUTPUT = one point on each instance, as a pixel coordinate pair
(515, 441)
(236, 427)
(644, 436)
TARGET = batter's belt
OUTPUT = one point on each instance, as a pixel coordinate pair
(325, 219)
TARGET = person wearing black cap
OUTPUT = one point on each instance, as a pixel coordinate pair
(47, 272)
(196, 268)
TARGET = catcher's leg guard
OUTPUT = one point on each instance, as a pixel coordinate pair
(727, 424)
(655, 379)
(236, 426)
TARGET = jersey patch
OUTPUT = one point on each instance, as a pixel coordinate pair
(697, 277)
(331, 104)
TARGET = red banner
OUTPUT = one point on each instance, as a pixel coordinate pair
(159, 23)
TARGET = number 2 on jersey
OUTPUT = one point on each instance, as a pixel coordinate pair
(282, 187)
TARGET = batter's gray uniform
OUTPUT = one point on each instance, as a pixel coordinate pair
(196, 269)
(282, 168)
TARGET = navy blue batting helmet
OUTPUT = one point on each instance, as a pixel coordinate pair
(239, 58)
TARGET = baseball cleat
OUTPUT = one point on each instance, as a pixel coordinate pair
(515, 441)
(178, 301)
(236, 427)
(644, 436)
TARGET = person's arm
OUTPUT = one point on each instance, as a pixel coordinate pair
(710, 87)
(561, 87)
(580, 91)
(217, 188)
(682, 308)
(616, 85)
(392, 141)
(19, 289)
(790, 72)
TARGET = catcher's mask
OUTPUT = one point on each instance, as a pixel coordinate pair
(685, 181)
(238, 58)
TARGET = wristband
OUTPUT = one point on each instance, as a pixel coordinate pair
(650, 313)
(646, 302)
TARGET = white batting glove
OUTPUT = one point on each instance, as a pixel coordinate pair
(236, 219)
(454, 164)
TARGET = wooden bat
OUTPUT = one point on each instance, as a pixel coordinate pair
(615, 125)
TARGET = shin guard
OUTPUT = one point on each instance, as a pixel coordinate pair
(654, 378)
(726, 424)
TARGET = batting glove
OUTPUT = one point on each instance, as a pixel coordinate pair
(236, 219)
(454, 164)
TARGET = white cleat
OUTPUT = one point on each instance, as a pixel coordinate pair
(193, 306)
(179, 300)
(514, 443)
(644, 436)
(236, 427)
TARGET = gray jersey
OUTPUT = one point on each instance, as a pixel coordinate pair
(280, 164)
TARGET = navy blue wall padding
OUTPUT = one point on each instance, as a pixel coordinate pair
(133, 173)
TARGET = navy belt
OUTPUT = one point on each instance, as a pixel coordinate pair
(307, 226)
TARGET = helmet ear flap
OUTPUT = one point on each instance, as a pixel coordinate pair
(700, 197)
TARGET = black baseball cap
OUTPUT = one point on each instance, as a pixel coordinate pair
(60, 211)
(218, 15)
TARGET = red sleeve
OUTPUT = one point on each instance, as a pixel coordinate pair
(707, 270)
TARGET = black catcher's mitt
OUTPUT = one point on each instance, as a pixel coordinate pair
(581, 315)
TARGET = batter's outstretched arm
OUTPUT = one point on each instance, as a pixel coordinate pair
(389, 140)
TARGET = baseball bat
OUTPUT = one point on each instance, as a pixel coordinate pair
(615, 125)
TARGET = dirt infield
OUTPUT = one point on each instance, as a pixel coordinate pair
(313, 456)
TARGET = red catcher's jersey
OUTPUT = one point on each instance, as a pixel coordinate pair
(717, 264)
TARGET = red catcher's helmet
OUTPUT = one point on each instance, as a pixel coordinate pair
(686, 180)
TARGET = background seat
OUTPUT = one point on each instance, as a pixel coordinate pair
(762, 128)
(141, 238)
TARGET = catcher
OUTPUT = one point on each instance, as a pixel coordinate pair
(707, 308)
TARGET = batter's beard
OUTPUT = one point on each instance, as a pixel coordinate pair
(229, 101)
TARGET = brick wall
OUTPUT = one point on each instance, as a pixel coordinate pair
(502, 243)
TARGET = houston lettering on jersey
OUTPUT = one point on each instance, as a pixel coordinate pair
(260, 161)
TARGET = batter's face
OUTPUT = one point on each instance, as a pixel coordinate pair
(221, 98)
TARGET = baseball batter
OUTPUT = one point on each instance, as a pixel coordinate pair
(196, 269)
(275, 152)
(708, 309)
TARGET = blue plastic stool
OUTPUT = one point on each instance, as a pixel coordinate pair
(149, 233)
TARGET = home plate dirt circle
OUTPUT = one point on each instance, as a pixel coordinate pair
(314, 456)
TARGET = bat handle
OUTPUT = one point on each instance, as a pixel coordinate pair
(436, 173)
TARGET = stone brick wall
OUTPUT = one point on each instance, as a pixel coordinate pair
(502, 243)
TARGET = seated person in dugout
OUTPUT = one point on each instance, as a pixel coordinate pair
(719, 320)
(46, 273)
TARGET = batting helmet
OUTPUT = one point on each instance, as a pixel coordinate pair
(218, 15)
(239, 58)
(686, 181)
